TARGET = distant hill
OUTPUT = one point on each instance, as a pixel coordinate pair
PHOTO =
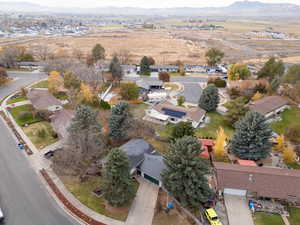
(240, 8)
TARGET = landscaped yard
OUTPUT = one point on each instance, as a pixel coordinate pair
(17, 99)
(83, 192)
(261, 218)
(294, 165)
(290, 117)
(24, 115)
(41, 84)
(294, 217)
(138, 110)
(210, 129)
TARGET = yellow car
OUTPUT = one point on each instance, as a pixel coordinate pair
(212, 217)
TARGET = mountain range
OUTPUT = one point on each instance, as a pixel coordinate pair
(240, 8)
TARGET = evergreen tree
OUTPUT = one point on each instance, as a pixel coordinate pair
(85, 132)
(118, 188)
(252, 137)
(98, 53)
(119, 122)
(214, 56)
(272, 69)
(145, 66)
(116, 69)
(182, 129)
(209, 98)
(293, 74)
(236, 109)
(185, 173)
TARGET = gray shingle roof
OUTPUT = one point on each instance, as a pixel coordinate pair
(153, 165)
(192, 92)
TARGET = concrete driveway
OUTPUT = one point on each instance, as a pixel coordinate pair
(238, 211)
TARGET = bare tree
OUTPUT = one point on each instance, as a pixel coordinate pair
(9, 56)
(124, 56)
(42, 52)
(77, 54)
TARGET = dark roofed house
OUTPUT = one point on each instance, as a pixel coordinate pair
(150, 85)
(143, 160)
(274, 183)
(43, 100)
(269, 106)
(60, 121)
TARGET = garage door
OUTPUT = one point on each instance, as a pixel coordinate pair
(231, 191)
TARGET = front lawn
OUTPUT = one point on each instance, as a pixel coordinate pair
(17, 99)
(290, 117)
(294, 165)
(83, 192)
(24, 115)
(41, 84)
(294, 217)
(41, 134)
(261, 218)
(210, 129)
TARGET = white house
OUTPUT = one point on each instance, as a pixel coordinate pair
(166, 112)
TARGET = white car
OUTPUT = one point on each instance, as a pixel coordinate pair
(1, 215)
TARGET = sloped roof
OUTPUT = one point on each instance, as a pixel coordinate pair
(267, 182)
(153, 165)
(190, 113)
(146, 84)
(135, 150)
(61, 120)
(42, 99)
(267, 104)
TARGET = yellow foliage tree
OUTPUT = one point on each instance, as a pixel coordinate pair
(238, 71)
(289, 154)
(280, 146)
(257, 96)
(86, 93)
(219, 148)
(55, 81)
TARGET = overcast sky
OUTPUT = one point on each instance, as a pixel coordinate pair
(140, 3)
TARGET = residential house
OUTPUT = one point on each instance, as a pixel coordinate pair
(43, 100)
(128, 69)
(31, 65)
(269, 106)
(60, 121)
(164, 68)
(164, 112)
(195, 69)
(254, 181)
(147, 86)
(143, 160)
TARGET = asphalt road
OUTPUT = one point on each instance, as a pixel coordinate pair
(23, 198)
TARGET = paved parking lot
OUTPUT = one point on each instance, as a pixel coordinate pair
(237, 210)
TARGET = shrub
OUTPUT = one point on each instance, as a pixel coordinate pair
(164, 76)
(104, 105)
(233, 92)
(220, 83)
(129, 91)
(53, 134)
(41, 133)
(24, 116)
(180, 100)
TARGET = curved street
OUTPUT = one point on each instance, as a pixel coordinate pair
(23, 197)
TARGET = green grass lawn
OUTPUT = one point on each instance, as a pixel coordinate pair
(261, 218)
(210, 129)
(17, 99)
(294, 217)
(16, 111)
(83, 192)
(40, 142)
(290, 117)
(61, 96)
(41, 84)
(294, 165)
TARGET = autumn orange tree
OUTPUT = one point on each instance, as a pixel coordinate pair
(280, 143)
(55, 81)
(257, 96)
(219, 148)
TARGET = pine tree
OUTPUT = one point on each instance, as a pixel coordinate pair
(85, 132)
(118, 188)
(145, 66)
(185, 173)
(98, 53)
(119, 122)
(209, 98)
(252, 137)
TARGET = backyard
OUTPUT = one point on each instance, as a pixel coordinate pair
(290, 117)
(261, 218)
(294, 217)
(41, 134)
(24, 114)
(210, 129)
(83, 192)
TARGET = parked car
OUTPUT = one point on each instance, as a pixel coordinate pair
(212, 217)
(1, 216)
